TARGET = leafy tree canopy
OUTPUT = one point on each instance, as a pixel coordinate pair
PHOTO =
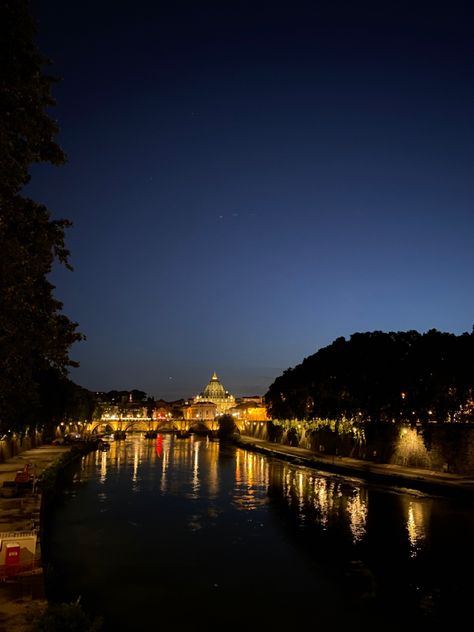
(379, 376)
(35, 336)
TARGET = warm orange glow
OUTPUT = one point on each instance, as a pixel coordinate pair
(416, 523)
(410, 449)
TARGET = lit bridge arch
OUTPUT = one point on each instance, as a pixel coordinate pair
(140, 424)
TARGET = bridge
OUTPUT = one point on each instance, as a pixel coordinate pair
(141, 424)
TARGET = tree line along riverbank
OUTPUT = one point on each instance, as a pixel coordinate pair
(377, 377)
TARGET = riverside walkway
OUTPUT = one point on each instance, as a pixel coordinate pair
(22, 596)
(421, 479)
(14, 512)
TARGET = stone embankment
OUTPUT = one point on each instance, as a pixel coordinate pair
(429, 481)
(22, 593)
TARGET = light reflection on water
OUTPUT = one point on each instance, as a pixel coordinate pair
(193, 508)
(251, 481)
(301, 487)
(417, 516)
(318, 498)
(103, 467)
(357, 508)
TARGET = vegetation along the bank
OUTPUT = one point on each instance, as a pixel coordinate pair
(35, 335)
(378, 377)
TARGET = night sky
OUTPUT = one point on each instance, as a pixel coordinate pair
(250, 180)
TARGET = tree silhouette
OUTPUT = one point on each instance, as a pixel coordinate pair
(35, 336)
(381, 377)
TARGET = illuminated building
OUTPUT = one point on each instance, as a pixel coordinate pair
(201, 411)
(162, 412)
(216, 394)
(250, 411)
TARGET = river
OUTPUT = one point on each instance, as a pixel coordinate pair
(173, 530)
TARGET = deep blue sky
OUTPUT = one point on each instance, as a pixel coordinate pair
(250, 180)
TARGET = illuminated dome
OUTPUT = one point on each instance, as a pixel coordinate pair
(216, 393)
(214, 390)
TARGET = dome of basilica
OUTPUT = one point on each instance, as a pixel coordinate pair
(216, 393)
(214, 390)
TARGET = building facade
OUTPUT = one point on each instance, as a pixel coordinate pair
(200, 411)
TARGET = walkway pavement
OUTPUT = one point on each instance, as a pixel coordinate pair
(17, 513)
(40, 457)
(417, 478)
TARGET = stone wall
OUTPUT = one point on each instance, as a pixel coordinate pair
(11, 446)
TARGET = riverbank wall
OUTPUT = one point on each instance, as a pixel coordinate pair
(13, 444)
(441, 448)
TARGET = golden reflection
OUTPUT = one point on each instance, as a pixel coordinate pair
(238, 467)
(103, 467)
(314, 497)
(300, 491)
(357, 509)
(416, 524)
(164, 466)
(136, 463)
(322, 499)
(193, 466)
(251, 480)
(212, 449)
(197, 456)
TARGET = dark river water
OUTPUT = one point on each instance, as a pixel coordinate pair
(189, 532)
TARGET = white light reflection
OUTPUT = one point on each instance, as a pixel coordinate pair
(195, 462)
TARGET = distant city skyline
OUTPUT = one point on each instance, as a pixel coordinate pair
(249, 181)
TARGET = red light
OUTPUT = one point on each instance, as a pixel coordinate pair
(159, 445)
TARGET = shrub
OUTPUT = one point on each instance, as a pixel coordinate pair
(227, 427)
